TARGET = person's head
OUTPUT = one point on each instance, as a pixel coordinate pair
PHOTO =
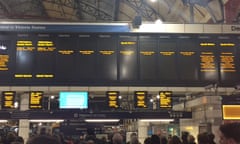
(203, 138)
(117, 138)
(164, 140)
(229, 133)
(147, 140)
(43, 139)
(175, 140)
(155, 139)
(191, 139)
(134, 140)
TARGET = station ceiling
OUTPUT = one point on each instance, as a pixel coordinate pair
(168, 11)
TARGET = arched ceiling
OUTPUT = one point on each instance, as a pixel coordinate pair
(169, 11)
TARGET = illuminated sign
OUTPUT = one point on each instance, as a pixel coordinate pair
(112, 99)
(35, 100)
(140, 99)
(8, 99)
(231, 112)
(165, 99)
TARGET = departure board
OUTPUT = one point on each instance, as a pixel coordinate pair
(65, 58)
(140, 99)
(208, 58)
(36, 100)
(148, 58)
(187, 59)
(165, 99)
(8, 99)
(128, 58)
(167, 66)
(62, 58)
(112, 97)
(86, 56)
(228, 59)
(107, 57)
(25, 60)
(6, 59)
(45, 55)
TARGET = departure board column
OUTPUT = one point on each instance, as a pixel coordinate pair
(86, 58)
(187, 59)
(6, 60)
(228, 60)
(128, 58)
(25, 60)
(148, 58)
(208, 59)
(45, 58)
(107, 57)
(65, 59)
(167, 67)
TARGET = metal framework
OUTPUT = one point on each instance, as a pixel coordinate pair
(144, 9)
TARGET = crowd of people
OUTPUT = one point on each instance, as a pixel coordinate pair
(228, 134)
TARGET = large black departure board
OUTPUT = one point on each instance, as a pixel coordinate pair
(75, 58)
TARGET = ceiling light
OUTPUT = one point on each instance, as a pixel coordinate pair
(45, 120)
(153, 0)
(3, 121)
(156, 120)
(102, 120)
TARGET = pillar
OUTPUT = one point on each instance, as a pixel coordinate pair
(142, 131)
(24, 124)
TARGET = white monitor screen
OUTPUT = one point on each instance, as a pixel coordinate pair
(73, 100)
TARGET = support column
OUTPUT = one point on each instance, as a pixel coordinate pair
(142, 131)
(24, 124)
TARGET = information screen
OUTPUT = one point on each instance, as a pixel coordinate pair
(8, 99)
(140, 99)
(36, 100)
(165, 99)
(63, 58)
(112, 97)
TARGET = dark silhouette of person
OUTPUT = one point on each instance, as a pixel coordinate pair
(203, 138)
(155, 139)
(211, 138)
(43, 139)
(229, 133)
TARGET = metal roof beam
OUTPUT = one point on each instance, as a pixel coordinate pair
(144, 9)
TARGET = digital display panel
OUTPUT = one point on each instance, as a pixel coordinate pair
(73, 100)
(82, 59)
(112, 97)
(8, 99)
(165, 99)
(140, 99)
(231, 107)
(36, 100)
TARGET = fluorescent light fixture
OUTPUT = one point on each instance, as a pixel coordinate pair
(101, 120)
(156, 120)
(46, 120)
(3, 121)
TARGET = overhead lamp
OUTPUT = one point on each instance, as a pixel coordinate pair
(101, 120)
(3, 121)
(46, 120)
(156, 120)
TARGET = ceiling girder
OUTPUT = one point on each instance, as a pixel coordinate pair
(6, 10)
(83, 6)
(94, 11)
(204, 3)
(144, 9)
